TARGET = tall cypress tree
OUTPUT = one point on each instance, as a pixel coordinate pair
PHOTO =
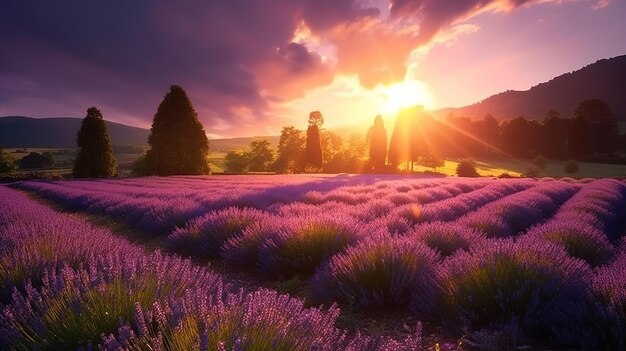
(399, 146)
(313, 149)
(95, 157)
(178, 143)
(378, 143)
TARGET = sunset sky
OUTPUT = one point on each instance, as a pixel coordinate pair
(253, 66)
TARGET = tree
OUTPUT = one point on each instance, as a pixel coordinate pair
(354, 154)
(290, 151)
(332, 146)
(95, 157)
(316, 119)
(313, 149)
(521, 137)
(261, 155)
(555, 133)
(602, 133)
(237, 161)
(399, 148)
(378, 143)
(578, 138)
(37, 160)
(178, 143)
(432, 160)
(7, 163)
(466, 168)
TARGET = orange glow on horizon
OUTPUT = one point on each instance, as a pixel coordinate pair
(399, 96)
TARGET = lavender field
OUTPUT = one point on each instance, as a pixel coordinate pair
(496, 264)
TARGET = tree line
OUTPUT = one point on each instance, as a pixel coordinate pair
(316, 150)
(591, 134)
(178, 142)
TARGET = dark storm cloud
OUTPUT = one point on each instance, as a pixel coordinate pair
(235, 58)
(124, 54)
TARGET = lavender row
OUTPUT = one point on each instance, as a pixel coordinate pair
(97, 291)
(170, 205)
(515, 213)
(588, 223)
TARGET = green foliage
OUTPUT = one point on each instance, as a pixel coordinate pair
(290, 151)
(237, 161)
(261, 155)
(555, 135)
(177, 139)
(139, 166)
(378, 143)
(95, 157)
(521, 137)
(313, 149)
(332, 145)
(467, 168)
(594, 129)
(37, 160)
(571, 167)
(431, 160)
(7, 163)
(316, 119)
(128, 149)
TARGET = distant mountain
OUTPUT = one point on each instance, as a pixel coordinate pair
(60, 132)
(605, 79)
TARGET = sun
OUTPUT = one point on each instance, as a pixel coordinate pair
(405, 94)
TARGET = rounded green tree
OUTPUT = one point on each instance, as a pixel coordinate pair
(178, 143)
(95, 157)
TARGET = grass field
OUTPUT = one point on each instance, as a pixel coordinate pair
(486, 166)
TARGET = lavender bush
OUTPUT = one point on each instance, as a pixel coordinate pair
(536, 285)
(378, 272)
(204, 236)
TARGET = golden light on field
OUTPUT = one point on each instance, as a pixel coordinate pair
(405, 94)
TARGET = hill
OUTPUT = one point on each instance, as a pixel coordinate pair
(60, 132)
(604, 79)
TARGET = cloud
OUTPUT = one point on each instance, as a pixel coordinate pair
(237, 59)
(435, 16)
(600, 4)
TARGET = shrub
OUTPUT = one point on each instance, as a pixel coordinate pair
(243, 250)
(305, 243)
(466, 168)
(491, 225)
(446, 238)
(381, 271)
(534, 284)
(570, 167)
(237, 161)
(203, 236)
(605, 326)
(262, 320)
(578, 238)
(74, 308)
